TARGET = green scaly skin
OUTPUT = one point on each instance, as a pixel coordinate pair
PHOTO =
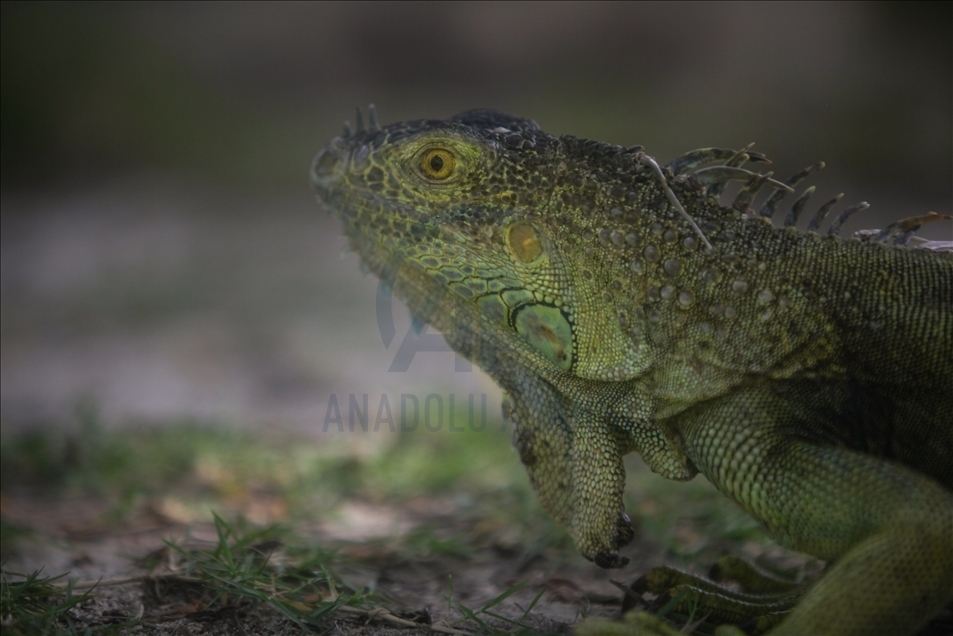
(809, 378)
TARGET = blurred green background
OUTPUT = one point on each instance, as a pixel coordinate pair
(162, 255)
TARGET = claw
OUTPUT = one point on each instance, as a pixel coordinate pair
(625, 532)
(630, 600)
(640, 585)
(610, 560)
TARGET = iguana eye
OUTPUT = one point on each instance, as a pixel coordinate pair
(438, 164)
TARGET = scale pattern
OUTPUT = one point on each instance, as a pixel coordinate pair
(623, 308)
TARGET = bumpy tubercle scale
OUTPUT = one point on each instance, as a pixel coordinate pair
(806, 376)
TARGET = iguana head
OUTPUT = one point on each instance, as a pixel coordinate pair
(467, 220)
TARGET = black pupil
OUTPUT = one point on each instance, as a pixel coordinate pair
(436, 163)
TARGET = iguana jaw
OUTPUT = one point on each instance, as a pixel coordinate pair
(356, 209)
(477, 248)
(441, 272)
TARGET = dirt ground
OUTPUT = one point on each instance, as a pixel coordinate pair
(139, 579)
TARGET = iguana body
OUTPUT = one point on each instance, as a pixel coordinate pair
(809, 378)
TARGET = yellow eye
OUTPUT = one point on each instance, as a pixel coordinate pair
(438, 164)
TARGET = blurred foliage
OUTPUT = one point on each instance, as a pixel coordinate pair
(85, 459)
(186, 470)
(82, 91)
(211, 464)
(244, 94)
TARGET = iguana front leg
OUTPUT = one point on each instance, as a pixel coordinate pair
(574, 462)
(887, 529)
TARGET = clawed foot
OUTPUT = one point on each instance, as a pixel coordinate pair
(610, 559)
(763, 602)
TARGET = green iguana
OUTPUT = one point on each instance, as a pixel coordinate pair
(622, 308)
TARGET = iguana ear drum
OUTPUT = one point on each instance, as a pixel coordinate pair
(523, 241)
(547, 330)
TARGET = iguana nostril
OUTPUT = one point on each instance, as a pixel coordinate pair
(324, 164)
